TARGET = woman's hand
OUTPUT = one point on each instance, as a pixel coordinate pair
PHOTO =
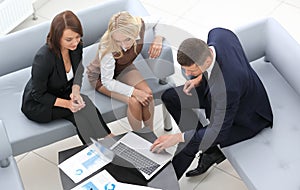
(155, 47)
(143, 97)
(76, 103)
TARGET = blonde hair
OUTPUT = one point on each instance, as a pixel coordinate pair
(122, 22)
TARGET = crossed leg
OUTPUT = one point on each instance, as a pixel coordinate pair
(137, 114)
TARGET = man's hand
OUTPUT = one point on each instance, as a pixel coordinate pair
(190, 84)
(166, 141)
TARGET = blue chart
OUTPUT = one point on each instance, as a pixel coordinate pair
(92, 161)
(101, 181)
(89, 186)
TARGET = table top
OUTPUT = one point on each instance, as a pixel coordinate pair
(166, 179)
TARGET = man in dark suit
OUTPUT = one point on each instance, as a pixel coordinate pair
(227, 88)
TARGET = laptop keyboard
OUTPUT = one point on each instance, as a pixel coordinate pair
(138, 160)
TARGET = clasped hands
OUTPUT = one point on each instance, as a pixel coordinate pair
(143, 97)
(76, 102)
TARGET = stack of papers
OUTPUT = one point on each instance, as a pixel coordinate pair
(86, 162)
(89, 160)
(104, 180)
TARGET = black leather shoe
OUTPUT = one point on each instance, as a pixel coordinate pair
(206, 161)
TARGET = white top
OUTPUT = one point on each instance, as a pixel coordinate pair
(70, 74)
(108, 65)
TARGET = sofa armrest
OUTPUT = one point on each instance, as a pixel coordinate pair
(163, 66)
(253, 39)
(268, 38)
(5, 147)
(9, 173)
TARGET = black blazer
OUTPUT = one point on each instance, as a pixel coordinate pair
(49, 81)
(234, 95)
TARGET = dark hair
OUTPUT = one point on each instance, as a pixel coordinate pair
(192, 50)
(62, 21)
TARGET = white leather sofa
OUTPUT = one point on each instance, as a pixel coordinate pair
(16, 54)
(271, 160)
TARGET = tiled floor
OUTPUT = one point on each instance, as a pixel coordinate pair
(39, 168)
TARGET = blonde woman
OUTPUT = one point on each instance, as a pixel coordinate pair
(113, 73)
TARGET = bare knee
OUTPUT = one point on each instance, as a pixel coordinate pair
(148, 91)
(133, 103)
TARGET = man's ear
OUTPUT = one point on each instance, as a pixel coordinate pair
(207, 62)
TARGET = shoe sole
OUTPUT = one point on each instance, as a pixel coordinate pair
(168, 129)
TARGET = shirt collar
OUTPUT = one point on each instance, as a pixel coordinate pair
(209, 69)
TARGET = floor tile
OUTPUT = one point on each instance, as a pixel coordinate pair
(51, 8)
(37, 173)
(29, 22)
(48, 9)
(177, 7)
(192, 182)
(229, 14)
(21, 156)
(120, 126)
(163, 15)
(218, 180)
(226, 167)
(287, 15)
(195, 30)
(50, 152)
(37, 4)
(295, 3)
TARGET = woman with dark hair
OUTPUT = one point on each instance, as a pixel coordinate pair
(53, 91)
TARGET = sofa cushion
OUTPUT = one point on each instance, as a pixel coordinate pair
(24, 47)
(272, 156)
(25, 135)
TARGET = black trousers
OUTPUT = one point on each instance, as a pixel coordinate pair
(181, 106)
(88, 121)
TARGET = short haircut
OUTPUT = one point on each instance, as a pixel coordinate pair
(62, 21)
(192, 51)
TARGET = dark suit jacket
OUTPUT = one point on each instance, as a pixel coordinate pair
(234, 96)
(48, 81)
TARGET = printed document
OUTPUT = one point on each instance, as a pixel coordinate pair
(86, 162)
(104, 181)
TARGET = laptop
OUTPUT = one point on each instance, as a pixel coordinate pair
(136, 150)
